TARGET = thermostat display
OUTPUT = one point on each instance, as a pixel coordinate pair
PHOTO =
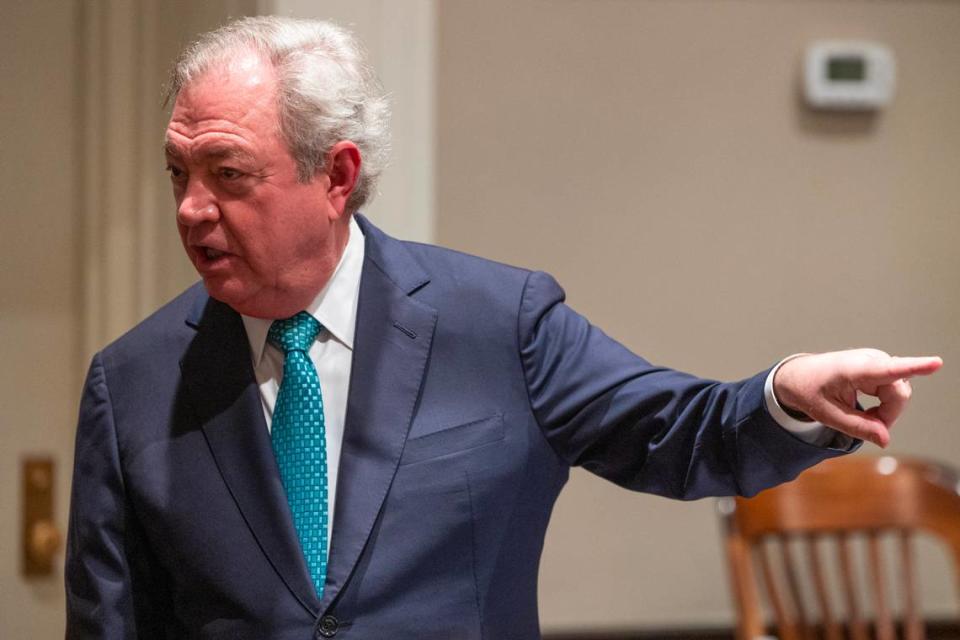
(848, 75)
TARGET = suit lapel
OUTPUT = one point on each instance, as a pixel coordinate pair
(392, 346)
(219, 378)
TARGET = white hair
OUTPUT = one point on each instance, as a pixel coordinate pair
(327, 91)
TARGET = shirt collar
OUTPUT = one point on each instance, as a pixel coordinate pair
(335, 307)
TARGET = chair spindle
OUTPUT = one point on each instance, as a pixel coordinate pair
(785, 625)
(883, 619)
(913, 626)
(828, 620)
(858, 629)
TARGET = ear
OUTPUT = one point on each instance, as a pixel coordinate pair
(343, 170)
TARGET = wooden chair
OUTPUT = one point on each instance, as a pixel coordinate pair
(854, 498)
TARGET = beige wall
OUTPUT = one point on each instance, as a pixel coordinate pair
(655, 157)
(39, 300)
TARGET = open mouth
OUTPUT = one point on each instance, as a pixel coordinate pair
(208, 257)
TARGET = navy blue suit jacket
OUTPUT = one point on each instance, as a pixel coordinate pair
(474, 389)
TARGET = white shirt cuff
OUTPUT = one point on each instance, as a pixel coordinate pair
(814, 433)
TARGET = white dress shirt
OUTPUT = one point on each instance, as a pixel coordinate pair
(335, 307)
(332, 353)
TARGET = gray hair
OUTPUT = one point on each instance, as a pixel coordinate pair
(327, 92)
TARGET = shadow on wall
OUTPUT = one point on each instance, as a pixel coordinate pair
(835, 123)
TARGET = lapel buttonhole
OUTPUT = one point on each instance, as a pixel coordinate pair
(407, 332)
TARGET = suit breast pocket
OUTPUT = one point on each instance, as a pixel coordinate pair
(451, 440)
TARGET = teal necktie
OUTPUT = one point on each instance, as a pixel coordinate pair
(298, 436)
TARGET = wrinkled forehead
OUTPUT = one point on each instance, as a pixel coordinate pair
(213, 148)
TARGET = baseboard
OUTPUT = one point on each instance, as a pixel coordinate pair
(672, 633)
(936, 630)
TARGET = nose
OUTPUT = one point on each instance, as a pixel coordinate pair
(197, 205)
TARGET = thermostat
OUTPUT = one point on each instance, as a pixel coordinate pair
(848, 75)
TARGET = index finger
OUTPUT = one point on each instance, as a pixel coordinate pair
(896, 368)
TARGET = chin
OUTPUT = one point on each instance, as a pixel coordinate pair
(254, 303)
(231, 295)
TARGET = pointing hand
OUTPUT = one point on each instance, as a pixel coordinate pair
(824, 386)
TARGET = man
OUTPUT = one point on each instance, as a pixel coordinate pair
(341, 434)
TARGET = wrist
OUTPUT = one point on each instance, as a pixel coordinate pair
(783, 389)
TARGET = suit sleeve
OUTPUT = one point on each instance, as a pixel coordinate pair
(105, 558)
(645, 427)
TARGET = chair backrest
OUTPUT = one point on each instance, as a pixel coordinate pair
(853, 498)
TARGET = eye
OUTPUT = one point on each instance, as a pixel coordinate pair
(176, 173)
(228, 173)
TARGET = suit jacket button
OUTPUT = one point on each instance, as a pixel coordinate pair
(328, 626)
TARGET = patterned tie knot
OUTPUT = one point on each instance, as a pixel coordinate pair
(296, 333)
